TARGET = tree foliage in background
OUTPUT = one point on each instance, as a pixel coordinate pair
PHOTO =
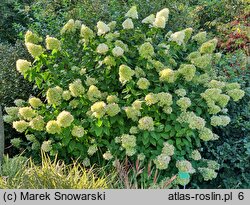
(45, 16)
(12, 85)
(232, 150)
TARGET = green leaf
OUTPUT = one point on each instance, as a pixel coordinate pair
(172, 133)
(160, 142)
(173, 117)
(65, 141)
(39, 82)
(164, 136)
(145, 138)
(183, 152)
(113, 119)
(170, 142)
(154, 135)
(106, 130)
(152, 141)
(179, 147)
(99, 123)
(121, 121)
(45, 75)
(187, 143)
(180, 133)
(98, 131)
(188, 138)
(72, 146)
(177, 127)
(198, 111)
(145, 134)
(190, 133)
(178, 141)
(198, 142)
(168, 128)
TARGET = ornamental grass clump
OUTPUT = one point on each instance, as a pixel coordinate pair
(123, 90)
(22, 173)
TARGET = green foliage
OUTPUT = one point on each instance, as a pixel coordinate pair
(235, 67)
(11, 15)
(2, 138)
(232, 149)
(50, 175)
(211, 13)
(111, 9)
(131, 90)
(46, 16)
(11, 166)
(12, 84)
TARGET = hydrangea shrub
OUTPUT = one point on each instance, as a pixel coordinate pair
(124, 89)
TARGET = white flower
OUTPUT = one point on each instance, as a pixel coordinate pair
(86, 33)
(34, 50)
(52, 43)
(102, 48)
(23, 66)
(107, 155)
(178, 37)
(163, 13)
(132, 13)
(149, 20)
(160, 22)
(117, 51)
(102, 28)
(128, 24)
(112, 25)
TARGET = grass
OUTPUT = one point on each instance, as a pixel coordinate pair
(49, 175)
(22, 173)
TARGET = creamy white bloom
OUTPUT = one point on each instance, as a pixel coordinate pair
(31, 37)
(160, 22)
(128, 24)
(178, 37)
(86, 33)
(163, 13)
(132, 13)
(34, 50)
(52, 43)
(149, 19)
(117, 51)
(102, 48)
(112, 25)
(23, 66)
(102, 28)
(107, 155)
(68, 27)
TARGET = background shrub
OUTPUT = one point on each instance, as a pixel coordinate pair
(46, 16)
(10, 16)
(212, 13)
(12, 85)
(232, 149)
(235, 35)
